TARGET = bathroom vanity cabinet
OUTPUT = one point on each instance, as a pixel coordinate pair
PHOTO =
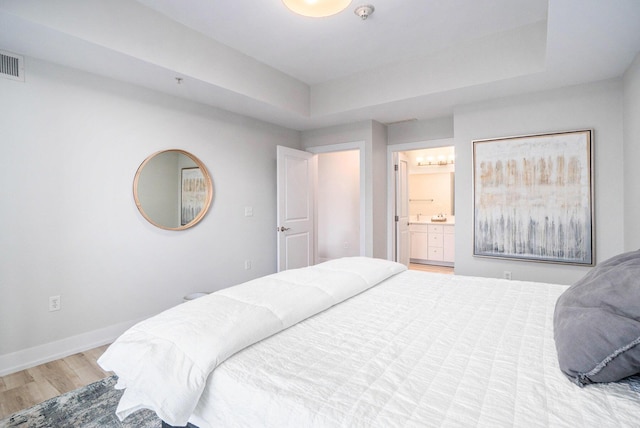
(432, 242)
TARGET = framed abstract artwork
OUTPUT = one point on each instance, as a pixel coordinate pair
(193, 194)
(533, 198)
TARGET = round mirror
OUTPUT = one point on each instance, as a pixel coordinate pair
(172, 189)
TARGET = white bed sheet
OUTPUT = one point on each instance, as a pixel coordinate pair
(417, 350)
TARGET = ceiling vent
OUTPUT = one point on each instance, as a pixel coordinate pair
(11, 66)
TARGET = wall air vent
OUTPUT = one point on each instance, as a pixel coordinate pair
(11, 66)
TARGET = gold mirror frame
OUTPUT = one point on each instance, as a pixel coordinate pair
(208, 194)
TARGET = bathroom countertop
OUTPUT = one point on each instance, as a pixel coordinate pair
(427, 220)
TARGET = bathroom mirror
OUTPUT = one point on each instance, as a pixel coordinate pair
(172, 189)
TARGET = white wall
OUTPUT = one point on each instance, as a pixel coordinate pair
(595, 106)
(420, 130)
(632, 156)
(71, 145)
(379, 189)
(338, 204)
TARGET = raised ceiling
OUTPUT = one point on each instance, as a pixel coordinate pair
(319, 50)
(411, 59)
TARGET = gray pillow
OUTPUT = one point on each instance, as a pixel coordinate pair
(597, 323)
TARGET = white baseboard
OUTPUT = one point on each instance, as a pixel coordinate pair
(31, 357)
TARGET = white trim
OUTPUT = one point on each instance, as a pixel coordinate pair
(31, 357)
(391, 191)
(341, 147)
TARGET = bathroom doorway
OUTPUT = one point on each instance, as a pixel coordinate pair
(431, 203)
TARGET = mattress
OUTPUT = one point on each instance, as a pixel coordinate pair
(419, 349)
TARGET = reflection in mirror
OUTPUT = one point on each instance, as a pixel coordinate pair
(432, 181)
(172, 189)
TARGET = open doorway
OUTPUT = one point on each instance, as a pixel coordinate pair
(341, 206)
(338, 205)
(427, 229)
(320, 193)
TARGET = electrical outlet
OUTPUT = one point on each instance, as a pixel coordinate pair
(247, 264)
(248, 211)
(506, 274)
(54, 303)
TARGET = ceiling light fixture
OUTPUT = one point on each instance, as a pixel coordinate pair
(364, 11)
(317, 8)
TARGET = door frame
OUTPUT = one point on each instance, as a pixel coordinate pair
(391, 189)
(342, 147)
(402, 246)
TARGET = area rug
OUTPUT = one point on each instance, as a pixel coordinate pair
(91, 406)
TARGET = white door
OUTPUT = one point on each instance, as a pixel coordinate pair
(403, 238)
(296, 198)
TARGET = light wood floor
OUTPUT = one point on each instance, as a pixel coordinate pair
(431, 268)
(29, 387)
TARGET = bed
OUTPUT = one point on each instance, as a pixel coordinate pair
(362, 342)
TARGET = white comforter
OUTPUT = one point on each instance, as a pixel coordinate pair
(164, 362)
(418, 350)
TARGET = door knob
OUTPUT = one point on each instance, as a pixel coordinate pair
(283, 229)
